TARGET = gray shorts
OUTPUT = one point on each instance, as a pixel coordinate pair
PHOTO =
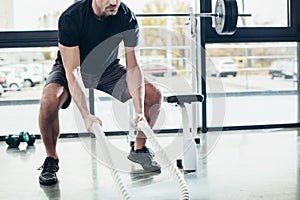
(112, 82)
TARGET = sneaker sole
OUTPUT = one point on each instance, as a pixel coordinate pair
(48, 182)
(155, 171)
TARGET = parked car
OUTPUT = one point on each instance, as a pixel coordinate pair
(14, 81)
(1, 90)
(284, 69)
(3, 81)
(159, 70)
(222, 68)
(31, 73)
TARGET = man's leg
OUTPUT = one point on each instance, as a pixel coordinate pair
(113, 82)
(53, 97)
(140, 153)
(153, 99)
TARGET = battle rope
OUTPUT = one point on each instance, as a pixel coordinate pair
(174, 171)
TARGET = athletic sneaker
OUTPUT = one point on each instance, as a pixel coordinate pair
(48, 175)
(144, 157)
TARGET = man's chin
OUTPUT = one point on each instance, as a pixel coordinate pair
(112, 12)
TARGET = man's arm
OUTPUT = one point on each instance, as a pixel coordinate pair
(135, 82)
(71, 62)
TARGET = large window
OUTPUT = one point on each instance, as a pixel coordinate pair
(267, 13)
(19, 15)
(258, 82)
(159, 6)
(164, 55)
(23, 72)
(261, 90)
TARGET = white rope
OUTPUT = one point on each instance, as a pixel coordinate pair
(103, 144)
(100, 136)
(174, 171)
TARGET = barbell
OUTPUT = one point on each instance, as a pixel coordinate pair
(225, 16)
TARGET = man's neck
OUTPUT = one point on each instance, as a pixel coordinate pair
(97, 12)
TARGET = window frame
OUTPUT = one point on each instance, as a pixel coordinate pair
(254, 34)
(248, 35)
(49, 38)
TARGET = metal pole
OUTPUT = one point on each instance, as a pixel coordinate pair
(194, 71)
(218, 15)
(201, 62)
(298, 80)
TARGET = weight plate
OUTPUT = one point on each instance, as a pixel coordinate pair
(220, 18)
(31, 139)
(227, 16)
(231, 24)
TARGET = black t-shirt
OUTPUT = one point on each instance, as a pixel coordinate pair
(98, 40)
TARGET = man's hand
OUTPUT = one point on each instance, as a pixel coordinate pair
(138, 118)
(89, 120)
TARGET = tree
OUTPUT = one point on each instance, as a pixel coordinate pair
(157, 35)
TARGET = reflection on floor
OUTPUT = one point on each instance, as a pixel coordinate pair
(261, 164)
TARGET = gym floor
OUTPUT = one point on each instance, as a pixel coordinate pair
(257, 164)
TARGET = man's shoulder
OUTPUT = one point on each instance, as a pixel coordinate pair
(76, 8)
(125, 9)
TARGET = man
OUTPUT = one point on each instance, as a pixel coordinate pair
(89, 34)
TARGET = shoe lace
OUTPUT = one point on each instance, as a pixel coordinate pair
(151, 153)
(48, 166)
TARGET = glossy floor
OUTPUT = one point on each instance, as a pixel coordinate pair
(242, 165)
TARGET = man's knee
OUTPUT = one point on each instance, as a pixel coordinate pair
(53, 97)
(153, 95)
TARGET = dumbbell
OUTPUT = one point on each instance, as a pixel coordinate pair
(26, 137)
(13, 141)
